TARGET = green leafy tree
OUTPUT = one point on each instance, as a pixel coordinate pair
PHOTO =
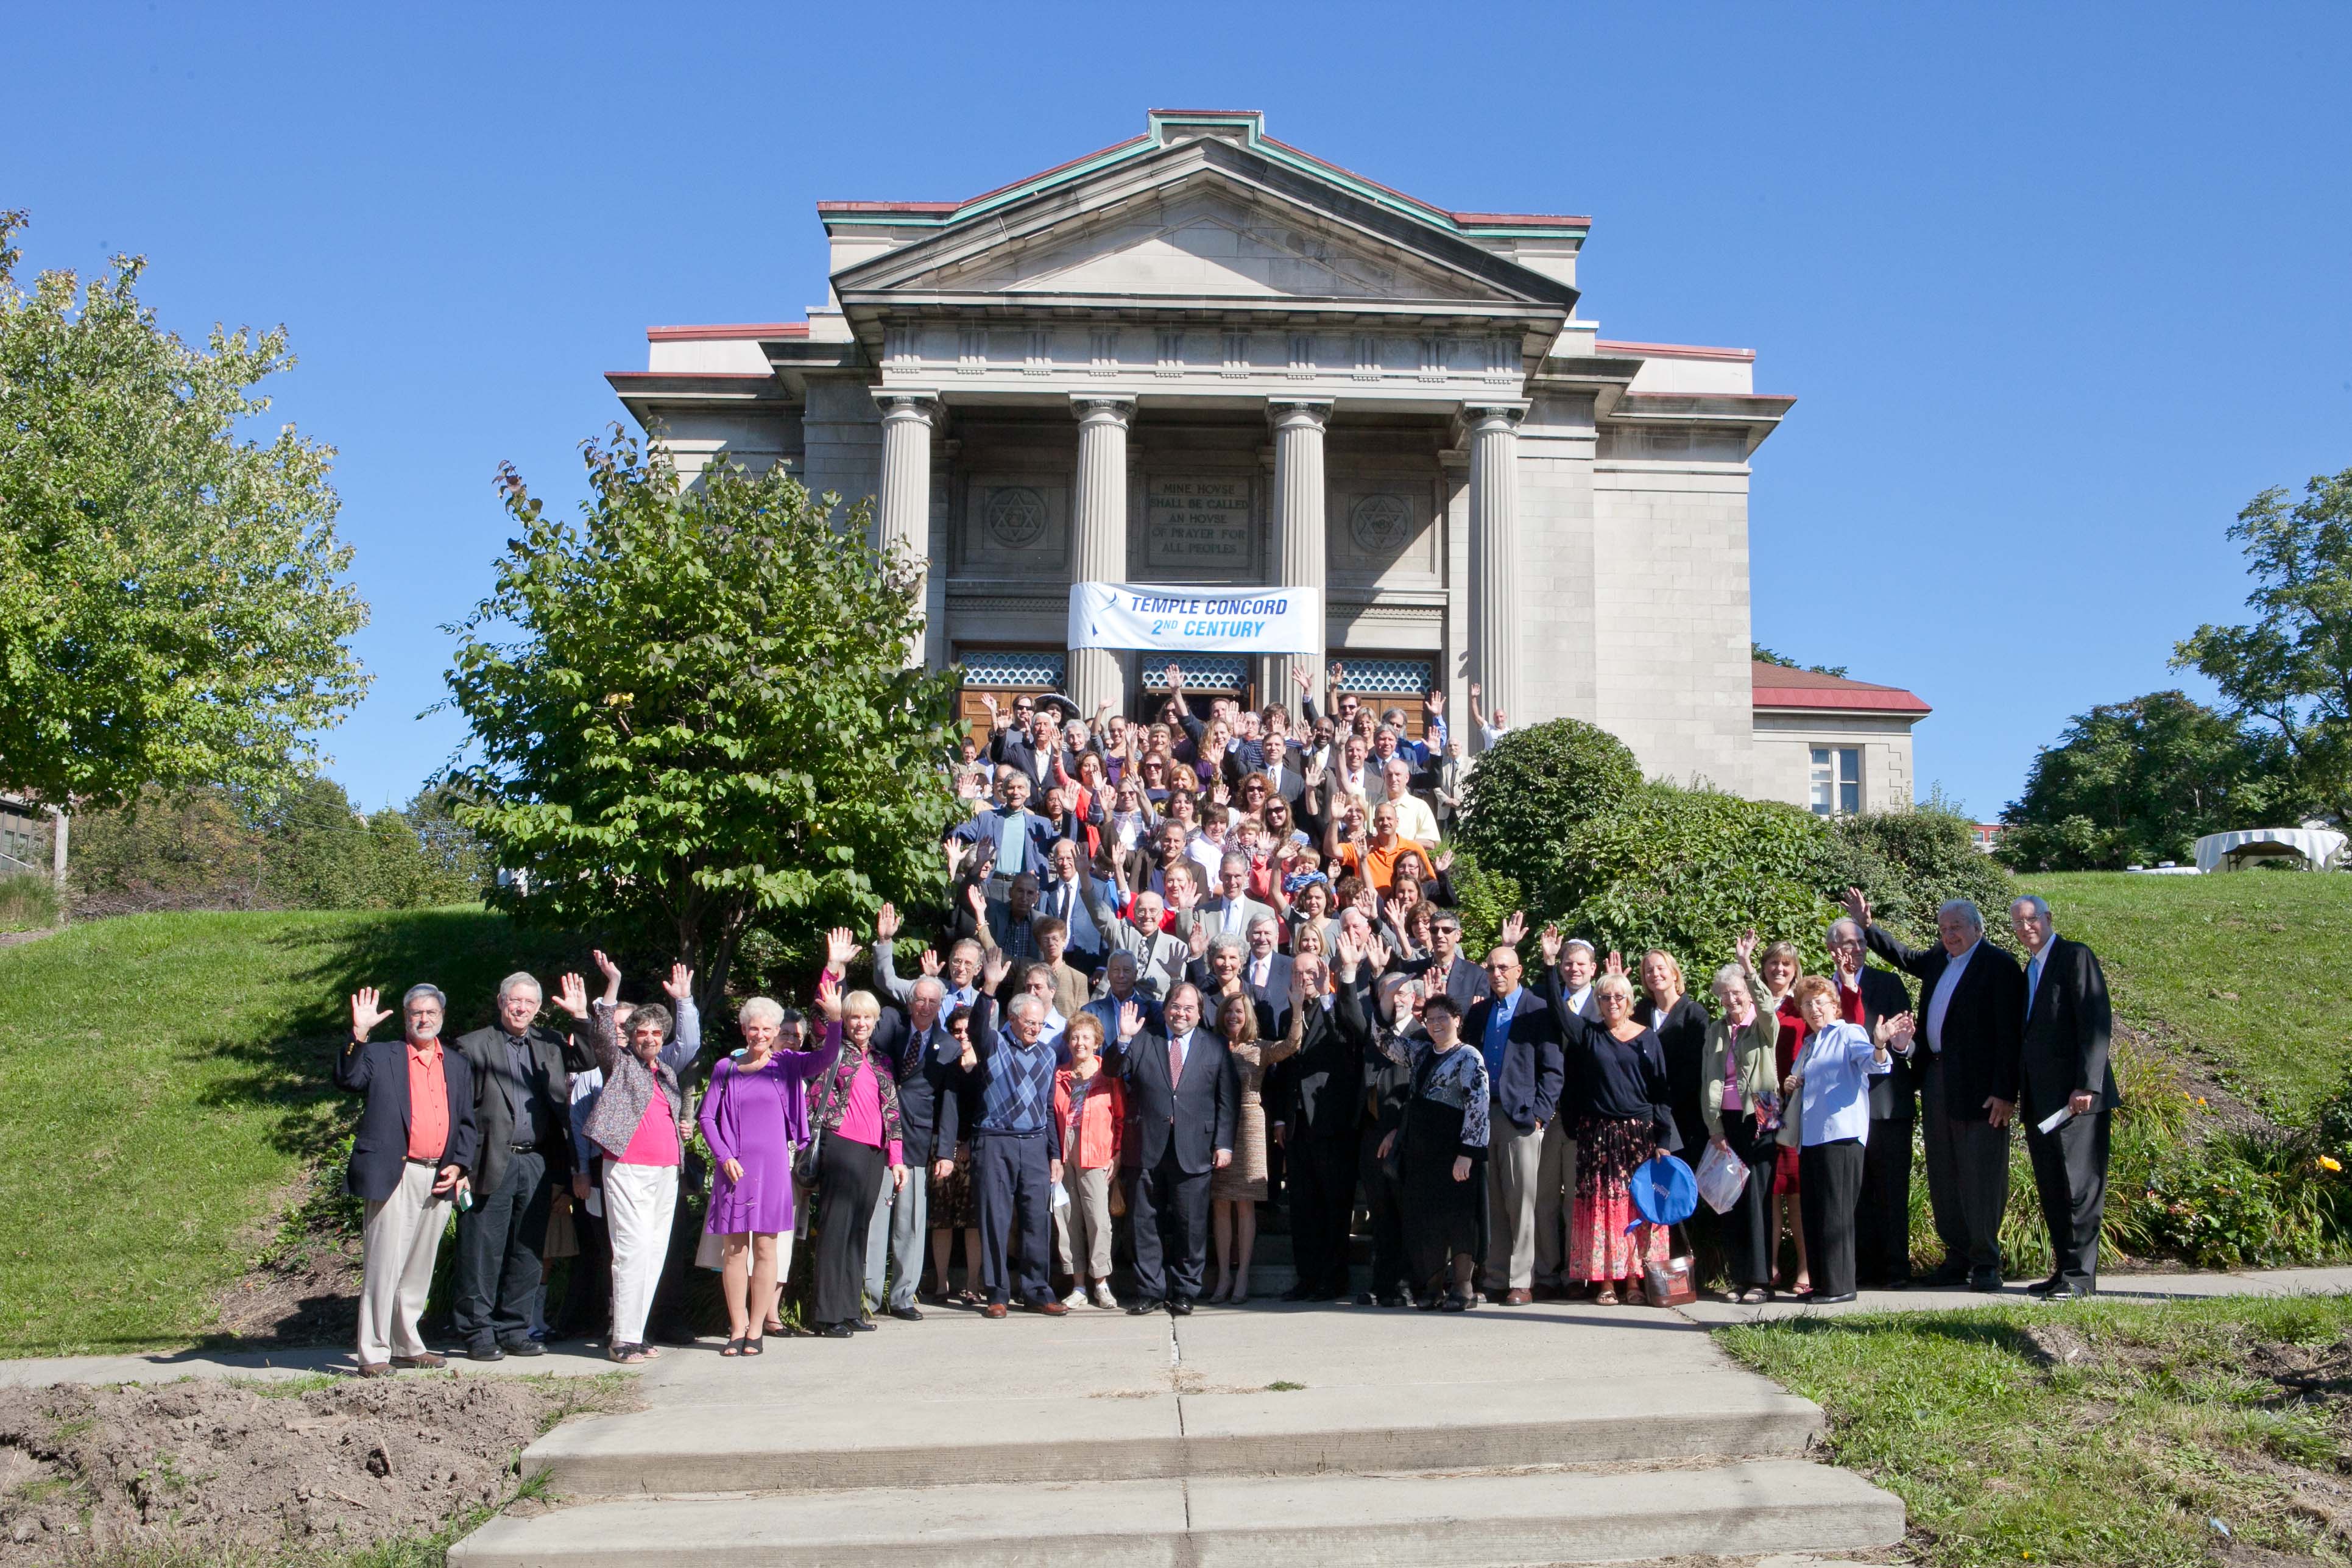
(169, 607)
(693, 714)
(2131, 784)
(1759, 653)
(1534, 785)
(2291, 668)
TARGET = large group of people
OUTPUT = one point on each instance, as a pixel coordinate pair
(1192, 974)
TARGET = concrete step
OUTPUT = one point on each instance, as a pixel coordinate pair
(1465, 1521)
(1186, 1431)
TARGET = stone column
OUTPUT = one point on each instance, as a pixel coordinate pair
(1494, 429)
(1098, 536)
(905, 502)
(1299, 525)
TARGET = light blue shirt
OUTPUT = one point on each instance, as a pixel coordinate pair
(2033, 967)
(1837, 1065)
(1497, 1042)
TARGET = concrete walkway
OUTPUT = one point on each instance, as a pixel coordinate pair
(576, 1359)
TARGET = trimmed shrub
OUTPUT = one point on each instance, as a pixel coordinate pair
(1484, 900)
(1534, 787)
(1909, 862)
(1689, 869)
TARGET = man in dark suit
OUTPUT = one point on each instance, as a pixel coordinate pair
(522, 1110)
(1514, 1030)
(1449, 972)
(1183, 1098)
(1323, 1107)
(920, 1056)
(1971, 1007)
(1882, 1223)
(2063, 1063)
(415, 1144)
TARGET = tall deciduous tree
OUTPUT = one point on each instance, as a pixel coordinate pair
(2292, 669)
(2136, 783)
(169, 607)
(692, 714)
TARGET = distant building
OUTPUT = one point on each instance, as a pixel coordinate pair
(1988, 835)
(1205, 356)
(31, 839)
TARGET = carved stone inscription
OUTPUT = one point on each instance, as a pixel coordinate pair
(1199, 526)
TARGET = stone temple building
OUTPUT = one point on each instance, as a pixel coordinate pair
(1205, 356)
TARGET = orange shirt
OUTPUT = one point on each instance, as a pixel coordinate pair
(428, 1102)
(1378, 866)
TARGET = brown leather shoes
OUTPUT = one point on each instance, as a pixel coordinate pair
(1050, 1308)
(428, 1360)
(1517, 1297)
(993, 1310)
(375, 1369)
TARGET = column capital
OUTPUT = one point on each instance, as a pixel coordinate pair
(1299, 412)
(899, 403)
(1096, 407)
(1493, 413)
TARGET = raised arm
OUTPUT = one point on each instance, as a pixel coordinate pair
(353, 1071)
(687, 1043)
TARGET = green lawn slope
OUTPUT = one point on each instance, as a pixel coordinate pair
(163, 1079)
(2245, 971)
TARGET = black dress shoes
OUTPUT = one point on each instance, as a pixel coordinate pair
(909, 1314)
(1818, 1300)
(1365, 1299)
(1144, 1308)
(484, 1352)
(2044, 1287)
(834, 1331)
(522, 1347)
(1985, 1281)
(1951, 1272)
(1299, 1293)
(1179, 1306)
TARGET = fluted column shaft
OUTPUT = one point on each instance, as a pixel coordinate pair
(1098, 537)
(1299, 526)
(1494, 553)
(905, 503)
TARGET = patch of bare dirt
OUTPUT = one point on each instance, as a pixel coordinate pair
(87, 1472)
(305, 1291)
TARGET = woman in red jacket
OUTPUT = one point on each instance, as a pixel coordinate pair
(1090, 1105)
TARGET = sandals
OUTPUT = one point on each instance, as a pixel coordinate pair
(734, 1348)
(627, 1356)
(755, 1345)
(1606, 1296)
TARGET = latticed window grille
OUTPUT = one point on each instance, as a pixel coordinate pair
(1385, 677)
(1041, 667)
(1203, 671)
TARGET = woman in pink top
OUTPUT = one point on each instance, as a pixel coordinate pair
(854, 1116)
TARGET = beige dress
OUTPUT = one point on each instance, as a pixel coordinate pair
(1244, 1179)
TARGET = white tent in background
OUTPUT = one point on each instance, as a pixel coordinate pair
(2316, 847)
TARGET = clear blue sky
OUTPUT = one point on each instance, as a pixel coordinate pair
(2058, 288)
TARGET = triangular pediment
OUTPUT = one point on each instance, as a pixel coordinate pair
(1203, 220)
(1208, 242)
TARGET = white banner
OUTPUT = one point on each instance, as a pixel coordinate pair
(1196, 620)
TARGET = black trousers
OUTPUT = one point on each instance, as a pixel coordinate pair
(2070, 1173)
(498, 1254)
(1322, 1201)
(1746, 1229)
(1382, 1203)
(588, 1297)
(1013, 1192)
(1967, 1175)
(1830, 1177)
(848, 1180)
(1882, 1216)
(1170, 1209)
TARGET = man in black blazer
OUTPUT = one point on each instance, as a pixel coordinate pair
(409, 1160)
(1971, 1010)
(1881, 1220)
(1183, 1098)
(1449, 972)
(1323, 1087)
(2063, 1062)
(920, 1056)
(522, 1111)
(1514, 1031)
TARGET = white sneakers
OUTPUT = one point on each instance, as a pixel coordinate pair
(1075, 1298)
(1103, 1298)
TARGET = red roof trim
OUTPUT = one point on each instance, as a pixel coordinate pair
(688, 376)
(1670, 351)
(730, 330)
(1520, 220)
(926, 209)
(1777, 686)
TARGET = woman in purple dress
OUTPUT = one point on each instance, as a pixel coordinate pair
(754, 1116)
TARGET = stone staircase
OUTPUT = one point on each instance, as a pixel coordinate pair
(1249, 1435)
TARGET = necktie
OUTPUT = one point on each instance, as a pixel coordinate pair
(1175, 1062)
(2032, 984)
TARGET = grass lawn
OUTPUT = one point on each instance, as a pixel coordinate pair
(2099, 1434)
(164, 1077)
(2242, 971)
